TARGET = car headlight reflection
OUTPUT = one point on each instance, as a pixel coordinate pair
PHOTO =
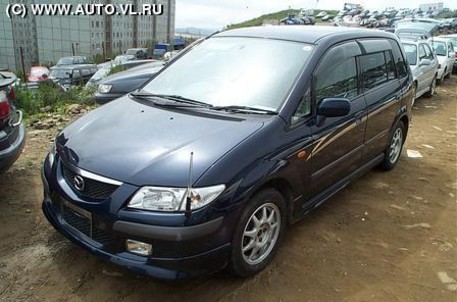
(103, 88)
(173, 199)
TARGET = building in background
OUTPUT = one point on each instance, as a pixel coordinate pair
(432, 7)
(45, 39)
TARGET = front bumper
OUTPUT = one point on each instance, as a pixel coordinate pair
(179, 251)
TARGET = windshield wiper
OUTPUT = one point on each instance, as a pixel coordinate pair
(237, 108)
(174, 98)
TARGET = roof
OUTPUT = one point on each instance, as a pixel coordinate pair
(306, 34)
(74, 66)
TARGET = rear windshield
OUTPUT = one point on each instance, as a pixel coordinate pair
(411, 53)
(439, 47)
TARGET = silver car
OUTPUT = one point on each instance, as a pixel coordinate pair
(424, 66)
(446, 55)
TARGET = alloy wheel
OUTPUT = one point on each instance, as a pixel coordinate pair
(261, 233)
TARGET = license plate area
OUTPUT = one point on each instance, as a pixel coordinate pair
(77, 218)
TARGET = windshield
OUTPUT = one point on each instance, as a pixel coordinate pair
(235, 72)
(65, 61)
(439, 47)
(60, 73)
(411, 53)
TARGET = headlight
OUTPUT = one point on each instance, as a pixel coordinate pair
(103, 88)
(173, 199)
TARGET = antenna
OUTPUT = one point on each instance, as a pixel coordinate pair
(189, 185)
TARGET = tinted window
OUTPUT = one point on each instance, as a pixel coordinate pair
(304, 108)
(374, 69)
(336, 75)
(391, 74)
(400, 64)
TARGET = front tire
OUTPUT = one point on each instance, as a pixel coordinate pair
(393, 151)
(258, 233)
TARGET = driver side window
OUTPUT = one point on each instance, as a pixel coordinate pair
(336, 75)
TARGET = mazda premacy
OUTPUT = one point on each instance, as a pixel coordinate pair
(207, 164)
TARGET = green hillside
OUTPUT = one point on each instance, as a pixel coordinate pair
(274, 16)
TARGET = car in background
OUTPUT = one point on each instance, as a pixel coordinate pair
(12, 130)
(72, 75)
(453, 39)
(119, 84)
(73, 60)
(37, 75)
(139, 53)
(123, 58)
(446, 57)
(424, 66)
(105, 69)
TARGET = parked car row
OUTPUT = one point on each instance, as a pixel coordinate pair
(431, 58)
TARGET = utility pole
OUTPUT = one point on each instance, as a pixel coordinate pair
(21, 52)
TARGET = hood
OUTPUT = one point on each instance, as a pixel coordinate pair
(144, 145)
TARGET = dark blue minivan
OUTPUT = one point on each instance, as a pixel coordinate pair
(207, 165)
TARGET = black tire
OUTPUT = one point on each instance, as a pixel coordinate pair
(448, 76)
(393, 150)
(432, 88)
(269, 209)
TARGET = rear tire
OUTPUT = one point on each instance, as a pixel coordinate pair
(393, 150)
(432, 87)
(258, 233)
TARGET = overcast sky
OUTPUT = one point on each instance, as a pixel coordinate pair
(215, 14)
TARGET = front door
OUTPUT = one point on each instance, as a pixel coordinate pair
(338, 141)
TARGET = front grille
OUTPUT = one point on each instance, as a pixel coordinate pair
(85, 224)
(93, 189)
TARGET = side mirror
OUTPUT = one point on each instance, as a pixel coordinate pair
(334, 107)
(425, 62)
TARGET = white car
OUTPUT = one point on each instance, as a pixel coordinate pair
(453, 38)
(424, 66)
(446, 56)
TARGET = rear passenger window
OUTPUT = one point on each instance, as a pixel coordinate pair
(399, 61)
(377, 68)
(336, 75)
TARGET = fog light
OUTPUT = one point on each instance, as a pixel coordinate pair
(137, 247)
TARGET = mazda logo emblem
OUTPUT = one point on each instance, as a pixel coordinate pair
(78, 182)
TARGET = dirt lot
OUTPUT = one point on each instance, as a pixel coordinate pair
(387, 237)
